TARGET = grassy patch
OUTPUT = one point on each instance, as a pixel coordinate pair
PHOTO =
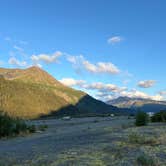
(146, 160)
(136, 138)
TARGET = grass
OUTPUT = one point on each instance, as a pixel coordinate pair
(138, 146)
(136, 138)
(146, 160)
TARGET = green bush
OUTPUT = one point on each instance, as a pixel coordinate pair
(32, 128)
(43, 127)
(20, 126)
(141, 118)
(146, 160)
(159, 117)
(13, 127)
(6, 125)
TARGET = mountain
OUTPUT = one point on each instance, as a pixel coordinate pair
(146, 105)
(32, 93)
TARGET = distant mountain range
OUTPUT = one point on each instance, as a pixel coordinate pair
(146, 105)
(32, 93)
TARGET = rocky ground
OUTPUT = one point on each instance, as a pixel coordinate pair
(97, 141)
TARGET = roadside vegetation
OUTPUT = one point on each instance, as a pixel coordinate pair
(10, 127)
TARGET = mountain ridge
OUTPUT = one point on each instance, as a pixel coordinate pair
(32, 92)
(138, 103)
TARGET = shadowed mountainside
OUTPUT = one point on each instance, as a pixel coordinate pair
(32, 92)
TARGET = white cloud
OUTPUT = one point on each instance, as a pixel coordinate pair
(138, 94)
(110, 91)
(129, 93)
(53, 58)
(104, 87)
(99, 86)
(146, 83)
(115, 39)
(72, 82)
(79, 62)
(14, 61)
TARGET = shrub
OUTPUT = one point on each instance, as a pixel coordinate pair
(43, 127)
(146, 160)
(159, 117)
(20, 126)
(135, 138)
(12, 127)
(6, 125)
(32, 129)
(141, 118)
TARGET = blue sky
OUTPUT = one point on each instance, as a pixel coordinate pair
(108, 48)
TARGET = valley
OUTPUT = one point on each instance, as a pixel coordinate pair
(95, 141)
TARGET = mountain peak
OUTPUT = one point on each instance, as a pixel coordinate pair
(32, 74)
(34, 68)
(144, 104)
(34, 92)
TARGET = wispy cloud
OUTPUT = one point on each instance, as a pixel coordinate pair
(146, 83)
(93, 86)
(115, 39)
(107, 92)
(79, 62)
(46, 58)
(72, 82)
(18, 48)
(14, 61)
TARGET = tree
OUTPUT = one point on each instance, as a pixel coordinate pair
(159, 117)
(141, 118)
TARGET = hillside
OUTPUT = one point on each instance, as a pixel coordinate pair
(32, 92)
(138, 103)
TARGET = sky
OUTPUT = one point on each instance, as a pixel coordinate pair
(107, 48)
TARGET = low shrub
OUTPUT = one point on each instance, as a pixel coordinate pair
(31, 128)
(146, 160)
(141, 118)
(159, 117)
(43, 127)
(136, 138)
(13, 127)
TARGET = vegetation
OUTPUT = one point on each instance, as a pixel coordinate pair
(43, 127)
(141, 118)
(159, 117)
(145, 160)
(140, 139)
(33, 93)
(13, 127)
